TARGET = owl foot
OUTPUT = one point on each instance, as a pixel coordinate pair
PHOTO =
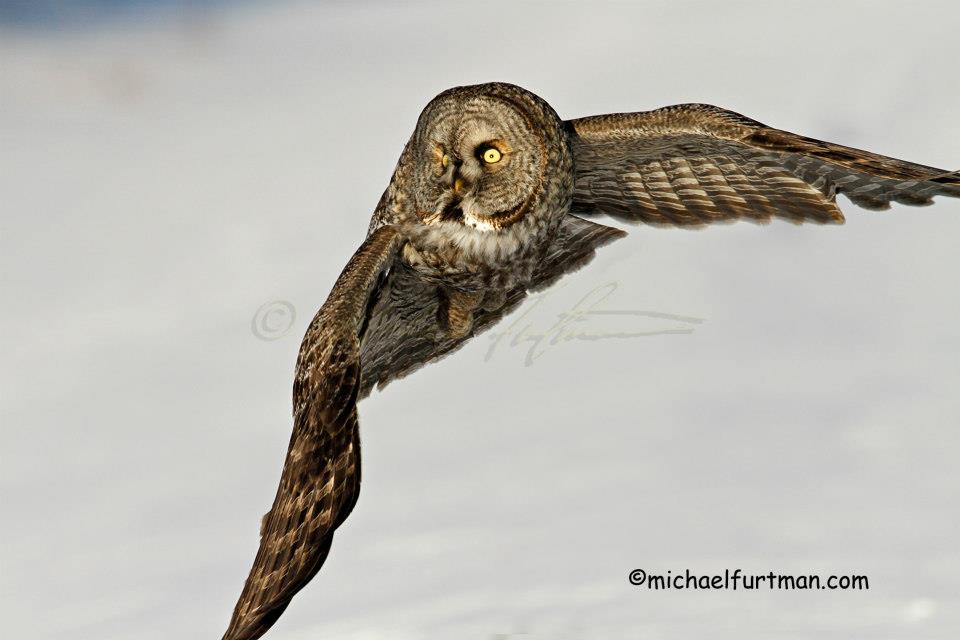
(456, 312)
(493, 300)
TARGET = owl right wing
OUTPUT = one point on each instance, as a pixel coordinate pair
(380, 322)
(695, 164)
(320, 481)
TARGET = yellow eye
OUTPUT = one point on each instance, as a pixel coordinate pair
(445, 160)
(491, 155)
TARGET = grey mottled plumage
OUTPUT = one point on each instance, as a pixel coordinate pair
(477, 214)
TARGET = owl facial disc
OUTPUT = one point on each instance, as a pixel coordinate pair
(481, 161)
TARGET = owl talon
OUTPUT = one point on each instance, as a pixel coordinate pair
(459, 327)
(457, 313)
(493, 300)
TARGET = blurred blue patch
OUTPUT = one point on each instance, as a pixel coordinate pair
(61, 13)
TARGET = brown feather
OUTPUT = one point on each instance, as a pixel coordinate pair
(320, 481)
(404, 332)
(695, 164)
(392, 310)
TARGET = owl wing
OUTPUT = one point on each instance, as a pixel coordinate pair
(404, 331)
(694, 164)
(320, 481)
(379, 323)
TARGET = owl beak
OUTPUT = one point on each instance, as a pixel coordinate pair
(454, 180)
(458, 187)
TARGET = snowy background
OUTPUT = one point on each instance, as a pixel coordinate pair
(167, 170)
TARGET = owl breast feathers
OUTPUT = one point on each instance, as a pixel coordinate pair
(479, 212)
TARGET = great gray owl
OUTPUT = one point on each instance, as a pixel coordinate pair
(478, 212)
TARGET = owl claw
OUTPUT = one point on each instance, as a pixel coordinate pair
(459, 328)
(493, 300)
(457, 314)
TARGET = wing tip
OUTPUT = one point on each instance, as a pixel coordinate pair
(950, 180)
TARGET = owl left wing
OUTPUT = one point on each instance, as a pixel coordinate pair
(320, 481)
(695, 164)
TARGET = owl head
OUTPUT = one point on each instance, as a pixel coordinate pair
(487, 159)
